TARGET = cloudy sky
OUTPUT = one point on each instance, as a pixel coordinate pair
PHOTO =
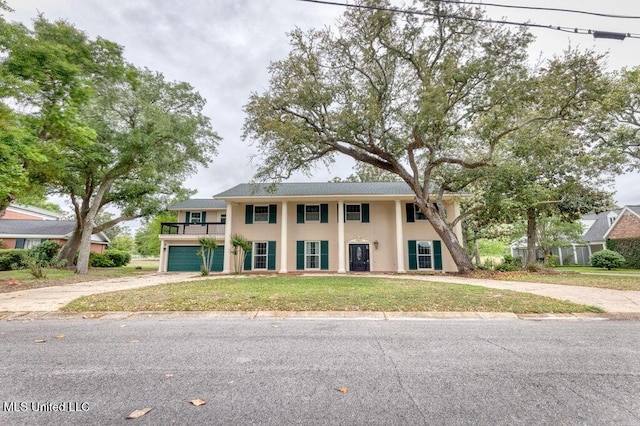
(223, 48)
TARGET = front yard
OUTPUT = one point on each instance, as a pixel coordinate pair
(303, 293)
(601, 279)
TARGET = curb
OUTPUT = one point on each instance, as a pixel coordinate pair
(312, 315)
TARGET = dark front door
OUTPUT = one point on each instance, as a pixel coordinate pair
(359, 257)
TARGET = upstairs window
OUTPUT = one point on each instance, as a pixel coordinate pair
(353, 213)
(312, 213)
(261, 214)
(196, 217)
(418, 213)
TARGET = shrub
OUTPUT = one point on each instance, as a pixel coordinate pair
(607, 259)
(510, 264)
(629, 248)
(100, 260)
(11, 259)
(118, 257)
(46, 251)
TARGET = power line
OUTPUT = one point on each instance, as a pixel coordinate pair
(550, 9)
(574, 30)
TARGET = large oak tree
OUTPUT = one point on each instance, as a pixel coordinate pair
(425, 95)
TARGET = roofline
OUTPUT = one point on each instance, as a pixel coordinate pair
(615, 222)
(334, 197)
(21, 208)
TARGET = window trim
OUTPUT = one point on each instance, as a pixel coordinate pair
(417, 213)
(317, 255)
(192, 220)
(346, 213)
(306, 218)
(255, 215)
(430, 255)
(254, 253)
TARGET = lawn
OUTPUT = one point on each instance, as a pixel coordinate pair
(592, 270)
(65, 276)
(297, 293)
(612, 282)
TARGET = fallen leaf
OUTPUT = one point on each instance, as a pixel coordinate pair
(139, 413)
(168, 375)
(133, 341)
(58, 336)
(344, 389)
(275, 326)
(197, 402)
(39, 341)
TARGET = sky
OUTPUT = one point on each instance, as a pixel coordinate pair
(223, 49)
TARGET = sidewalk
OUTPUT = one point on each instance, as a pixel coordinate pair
(51, 299)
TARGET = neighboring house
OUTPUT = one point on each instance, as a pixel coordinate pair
(27, 226)
(21, 211)
(598, 228)
(335, 227)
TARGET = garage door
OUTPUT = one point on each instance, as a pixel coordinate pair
(185, 258)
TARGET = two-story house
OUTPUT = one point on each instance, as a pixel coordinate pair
(337, 227)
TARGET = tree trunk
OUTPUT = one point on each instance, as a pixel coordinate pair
(449, 239)
(85, 247)
(476, 252)
(5, 203)
(67, 253)
(531, 238)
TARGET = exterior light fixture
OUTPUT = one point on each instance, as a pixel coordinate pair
(375, 244)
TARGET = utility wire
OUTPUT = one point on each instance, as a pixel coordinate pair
(550, 9)
(582, 31)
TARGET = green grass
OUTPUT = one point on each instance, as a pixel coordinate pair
(295, 293)
(592, 270)
(611, 282)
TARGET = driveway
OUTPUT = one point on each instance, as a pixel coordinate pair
(50, 299)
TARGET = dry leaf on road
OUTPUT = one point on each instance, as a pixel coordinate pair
(58, 336)
(197, 402)
(139, 413)
(344, 389)
(39, 341)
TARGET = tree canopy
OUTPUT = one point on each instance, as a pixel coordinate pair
(107, 133)
(428, 97)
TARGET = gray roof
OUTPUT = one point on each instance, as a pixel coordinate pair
(24, 228)
(199, 203)
(28, 227)
(317, 188)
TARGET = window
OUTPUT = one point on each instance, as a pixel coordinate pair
(223, 218)
(196, 217)
(260, 255)
(261, 214)
(312, 213)
(30, 243)
(424, 254)
(418, 213)
(312, 255)
(353, 213)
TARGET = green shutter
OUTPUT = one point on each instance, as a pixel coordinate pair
(437, 255)
(324, 213)
(413, 257)
(273, 213)
(300, 255)
(324, 255)
(300, 213)
(188, 217)
(248, 260)
(20, 243)
(203, 217)
(248, 214)
(411, 212)
(271, 255)
(365, 213)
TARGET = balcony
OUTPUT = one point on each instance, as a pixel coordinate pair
(184, 228)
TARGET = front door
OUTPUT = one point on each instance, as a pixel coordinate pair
(359, 257)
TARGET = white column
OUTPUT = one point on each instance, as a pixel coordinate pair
(227, 241)
(163, 257)
(283, 239)
(341, 255)
(399, 238)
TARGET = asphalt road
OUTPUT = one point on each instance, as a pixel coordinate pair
(282, 372)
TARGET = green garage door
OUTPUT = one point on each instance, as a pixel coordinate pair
(185, 258)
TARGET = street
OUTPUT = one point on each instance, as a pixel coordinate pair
(319, 371)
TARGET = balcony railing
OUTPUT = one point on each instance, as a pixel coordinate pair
(184, 228)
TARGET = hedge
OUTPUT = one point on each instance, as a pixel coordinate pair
(11, 259)
(629, 248)
(109, 259)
